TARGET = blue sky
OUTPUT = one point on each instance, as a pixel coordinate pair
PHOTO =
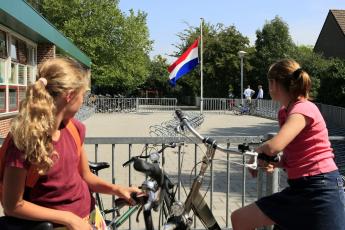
(167, 18)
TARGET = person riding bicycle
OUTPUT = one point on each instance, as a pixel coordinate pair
(315, 196)
(61, 194)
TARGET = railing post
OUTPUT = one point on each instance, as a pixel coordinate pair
(272, 179)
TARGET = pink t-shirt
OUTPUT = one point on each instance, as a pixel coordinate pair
(62, 188)
(310, 153)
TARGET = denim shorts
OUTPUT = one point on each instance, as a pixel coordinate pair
(309, 203)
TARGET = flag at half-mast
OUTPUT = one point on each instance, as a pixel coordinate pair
(184, 64)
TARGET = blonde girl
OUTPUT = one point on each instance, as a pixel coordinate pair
(40, 138)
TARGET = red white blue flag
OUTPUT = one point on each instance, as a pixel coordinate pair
(184, 64)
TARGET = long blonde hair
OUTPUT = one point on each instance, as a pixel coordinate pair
(33, 127)
(292, 77)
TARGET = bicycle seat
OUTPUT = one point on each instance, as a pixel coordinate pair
(96, 166)
(12, 223)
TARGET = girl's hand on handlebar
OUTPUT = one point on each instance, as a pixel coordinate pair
(125, 193)
(267, 166)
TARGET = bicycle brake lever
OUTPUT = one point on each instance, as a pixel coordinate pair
(128, 162)
(253, 165)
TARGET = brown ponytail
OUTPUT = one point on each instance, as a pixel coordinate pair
(292, 77)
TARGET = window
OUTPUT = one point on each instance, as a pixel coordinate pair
(2, 71)
(13, 77)
(31, 55)
(13, 100)
(19, 51)
(29, 75)
(18, 64)
(22, 92)
(14, 46)
(21, 74)
(3, 45)
(2, 98)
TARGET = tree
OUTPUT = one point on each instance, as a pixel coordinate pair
(272, 43)
(117, 44)
(332, 83)
(158, 77)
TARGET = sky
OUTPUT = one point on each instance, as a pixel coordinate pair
(165, 19)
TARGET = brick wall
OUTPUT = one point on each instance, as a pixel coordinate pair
(45, 51)
(5, 126)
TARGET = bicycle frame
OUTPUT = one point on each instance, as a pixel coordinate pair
(195, 201)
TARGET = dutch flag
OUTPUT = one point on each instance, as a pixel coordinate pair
(184, 64)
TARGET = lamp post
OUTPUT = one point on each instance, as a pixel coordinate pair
(241, 54)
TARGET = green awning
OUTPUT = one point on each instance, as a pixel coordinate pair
(23, 19)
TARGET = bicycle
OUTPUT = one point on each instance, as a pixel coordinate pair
(175, 214)
(194, 201)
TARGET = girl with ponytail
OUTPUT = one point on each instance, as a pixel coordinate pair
(315, 196)
(39, 138)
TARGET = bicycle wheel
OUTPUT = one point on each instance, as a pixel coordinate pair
(236, 110)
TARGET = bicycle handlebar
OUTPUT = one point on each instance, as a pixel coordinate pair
(207, 140)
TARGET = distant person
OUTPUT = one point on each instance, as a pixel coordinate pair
(248, 93)
(231, 102)
(260, 92)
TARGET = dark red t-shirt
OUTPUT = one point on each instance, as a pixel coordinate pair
(62, 188)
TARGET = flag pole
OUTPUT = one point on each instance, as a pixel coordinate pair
(201, 72)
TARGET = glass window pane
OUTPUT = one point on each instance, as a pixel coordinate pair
(13, 77)
(2, 71)
(3, 46)
(31, 56)
(22, 52)
(14, 49)
(22, 91)
(2, 99)
(29, 73)
(13, 93)
(21, 74)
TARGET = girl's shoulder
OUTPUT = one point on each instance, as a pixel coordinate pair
(307, 109)
(15, 157)
(80, 127)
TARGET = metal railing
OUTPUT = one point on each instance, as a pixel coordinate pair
(218, 183)
(263, 108)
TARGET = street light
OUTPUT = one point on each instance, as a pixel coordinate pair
(241, 54)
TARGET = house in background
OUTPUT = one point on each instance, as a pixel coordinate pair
(331, 41)
(26, 39)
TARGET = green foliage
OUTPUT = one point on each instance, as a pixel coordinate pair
(117, 44)
(313, 63)
(158, 78)
(332, 83)
(273, 43)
